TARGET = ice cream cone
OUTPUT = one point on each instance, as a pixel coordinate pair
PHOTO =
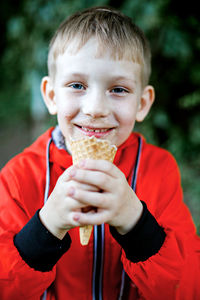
(96, 149)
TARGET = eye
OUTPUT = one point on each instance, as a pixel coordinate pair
(119, 90)
(77, 86)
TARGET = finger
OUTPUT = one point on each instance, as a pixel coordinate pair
(94, 199)
(66, 174)
(91, 218)
(72, 205)
(82, 186)
(96, 178)
(81, 175)
(100, 165)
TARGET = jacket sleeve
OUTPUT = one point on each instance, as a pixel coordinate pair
(144, 240)
(173, 271)
(17, 279)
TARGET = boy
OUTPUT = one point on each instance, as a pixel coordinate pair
(144, 244)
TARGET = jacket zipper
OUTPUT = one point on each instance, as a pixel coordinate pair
(98, 262)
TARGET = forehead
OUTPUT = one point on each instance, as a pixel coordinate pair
(91, 58)
(103, 47)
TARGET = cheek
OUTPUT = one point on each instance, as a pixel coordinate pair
(67, 109)
(126, 116)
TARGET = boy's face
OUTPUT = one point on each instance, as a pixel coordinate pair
(97, 96)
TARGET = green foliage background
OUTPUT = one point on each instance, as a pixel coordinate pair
(173, 28)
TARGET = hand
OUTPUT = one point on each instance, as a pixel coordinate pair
(115, 201)
(57, 215)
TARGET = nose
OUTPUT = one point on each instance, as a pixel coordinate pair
(96, 105)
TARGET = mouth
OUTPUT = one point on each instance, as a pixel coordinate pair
(95, 131)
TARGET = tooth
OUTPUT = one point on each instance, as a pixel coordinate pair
(94, 130)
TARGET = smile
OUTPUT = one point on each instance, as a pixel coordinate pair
(94, 130)
(97, 132)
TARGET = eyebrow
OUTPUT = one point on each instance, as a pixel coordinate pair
(123, 78)
(112, 78)
(75, 75)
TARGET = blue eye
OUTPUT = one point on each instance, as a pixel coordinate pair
(77, 86)
(119, 90)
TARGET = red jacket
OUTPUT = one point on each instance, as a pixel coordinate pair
(172, 273)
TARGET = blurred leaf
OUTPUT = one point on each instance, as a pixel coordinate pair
(161, 119)
(190, 100)
(175, 43)
(194, 132)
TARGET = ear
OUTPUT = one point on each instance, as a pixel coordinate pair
(48, 95)
(146, 101)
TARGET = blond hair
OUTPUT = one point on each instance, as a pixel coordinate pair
(112, 29)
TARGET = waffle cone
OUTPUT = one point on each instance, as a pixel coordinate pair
(85, 233)
(96, 149)
(92, 148)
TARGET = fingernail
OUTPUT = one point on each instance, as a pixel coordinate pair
(71, 191)
(76, 218)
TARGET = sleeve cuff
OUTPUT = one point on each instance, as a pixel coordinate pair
(38, 247)
(144, 240)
